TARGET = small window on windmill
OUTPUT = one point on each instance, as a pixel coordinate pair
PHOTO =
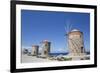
(80, 36)
(46, 45)
(45, 52)
(34, 52)
(82, 49)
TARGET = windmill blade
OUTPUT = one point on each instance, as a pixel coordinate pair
(65, 29)
(70, 27)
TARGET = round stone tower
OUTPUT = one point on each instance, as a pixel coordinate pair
(35, 50)
(76, 43)
(46, 48)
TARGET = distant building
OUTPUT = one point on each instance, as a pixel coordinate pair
(25, 51)
(76, 43)
(35, 49)
(46, 48)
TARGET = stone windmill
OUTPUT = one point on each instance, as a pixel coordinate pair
(45, 48)
(75, 42)
(35, 49)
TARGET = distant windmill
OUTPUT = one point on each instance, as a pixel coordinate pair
(46, 45)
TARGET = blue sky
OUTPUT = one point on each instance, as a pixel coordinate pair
(50, 25)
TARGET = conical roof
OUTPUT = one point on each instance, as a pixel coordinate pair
(74, 30)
